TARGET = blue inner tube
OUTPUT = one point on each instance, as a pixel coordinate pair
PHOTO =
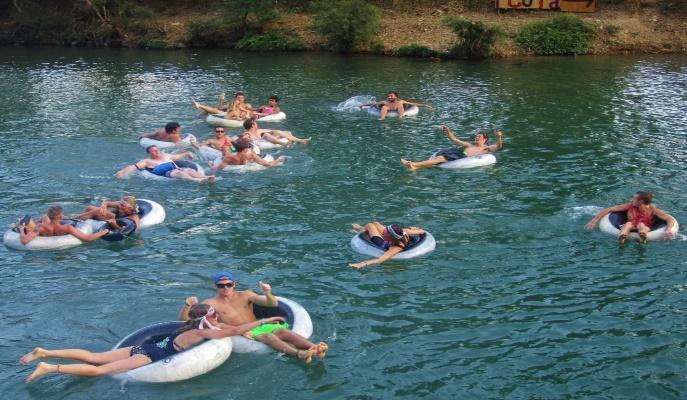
(415, 240)
(619, 218)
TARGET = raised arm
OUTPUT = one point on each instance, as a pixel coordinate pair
(267, 299)
(188, 303)
(620, 207)
(387, 255)
(499, 141)
(453, 137)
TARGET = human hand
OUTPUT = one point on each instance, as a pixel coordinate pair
(668, 235)
(265, 287)
(590, 225)
(498, 133)
(358, 265)
(191, 301)
(444, 128)
(272, 319)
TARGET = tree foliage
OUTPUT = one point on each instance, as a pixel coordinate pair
(475, 38)
(346, 24)
(562, 34)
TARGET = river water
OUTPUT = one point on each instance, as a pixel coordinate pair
(517, 301)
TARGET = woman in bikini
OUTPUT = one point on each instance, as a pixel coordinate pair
(204, 326)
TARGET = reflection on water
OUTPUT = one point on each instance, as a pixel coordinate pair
(517, 301)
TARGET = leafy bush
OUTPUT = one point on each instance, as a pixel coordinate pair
(346, 23)
(272, 40)
(416, 50)
(476, 39)
(563, 34)
(612, 29)
(212, 33)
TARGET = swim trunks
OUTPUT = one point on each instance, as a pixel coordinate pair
(451, 154)
(267, 328)
(156, 351)
(164, 169)
(379, 242)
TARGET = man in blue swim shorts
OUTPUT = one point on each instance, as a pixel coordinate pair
(162, 164)
(234, 306)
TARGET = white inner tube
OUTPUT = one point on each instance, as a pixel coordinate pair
(612, 222)
(410, 111)
(185, 142)
(187, 364)
(480, 160)
(362, 246)
(265, 145)
(12, 240)
(155, 216)
(302, 325)
(210, 154)
(219, 120)
(250, 166)
(149, 175)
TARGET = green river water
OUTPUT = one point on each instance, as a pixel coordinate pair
(518, 300)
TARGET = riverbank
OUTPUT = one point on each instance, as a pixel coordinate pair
(639, 30)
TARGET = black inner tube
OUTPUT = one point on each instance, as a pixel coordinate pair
(619, 218)
(415, 240)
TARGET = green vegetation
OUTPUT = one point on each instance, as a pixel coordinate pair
(251, 16)
(475, 38)
(213, 32)
(673, 6)
(563, 34)
(346, 24)
(612, 30)
(270, 41)
(416, 50)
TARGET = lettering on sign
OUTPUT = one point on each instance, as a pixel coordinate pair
(555, 5)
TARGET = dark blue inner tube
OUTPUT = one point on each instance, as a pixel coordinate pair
(281, 310)
(415, 240)
(186, 164)
(619, 218)
(151, 334)
(127, 228)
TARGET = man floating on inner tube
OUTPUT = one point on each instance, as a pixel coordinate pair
(170, 133)
(393, 103)
(244, 155)
(641, 215)
(271, 135)
(50, 225)
(235, 308)
(468, 150)
(110, 211)
(392, 238)
(162, 164)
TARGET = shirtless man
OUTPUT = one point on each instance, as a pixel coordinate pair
(170, 133)
(220, 142)
(163, 164)
(245, 154)
(236, 307)
(271, 135)
(111, 210)
(394, 103)
(272, 107)
(640, 216)
(468, 150)
(50, 225)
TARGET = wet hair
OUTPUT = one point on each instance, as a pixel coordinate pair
(247, 124)
(171, 126)
(485, 134)
(150, 147)
(645, 197)
(242, 144)
(239, 93)
(54, 212)
(274, 97)
(394, 92)
(196, 314)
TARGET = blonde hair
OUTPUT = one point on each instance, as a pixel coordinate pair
(129, 200)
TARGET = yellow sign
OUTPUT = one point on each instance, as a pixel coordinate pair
(557, 5)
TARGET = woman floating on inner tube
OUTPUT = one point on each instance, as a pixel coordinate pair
(204, 326)
(468, 149)
(392, 238)
(111, 210)
(640, 217)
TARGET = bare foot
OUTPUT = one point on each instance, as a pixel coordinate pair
(33, 355)
(322, 348)
(305, 141)
(409, 164)
(622, 238)
(41, 369)
(357, 228)
(643, 238)
(305, 356)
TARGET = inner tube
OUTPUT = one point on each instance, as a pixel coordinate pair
(298, 319)
(251, 166)
(11, 238)
(187, 364)
(419, 245)
(219, 120)
(181, 164)
(147, 142)
(612, 223)
(480, 160)
(150, 212)
(410, 110)
(265, 145)
(127, 228)
(210, 154)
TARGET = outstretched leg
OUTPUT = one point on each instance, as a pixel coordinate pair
(423, 164)
(289, 136)
(135, 361)
(383, 111)
(77, 354)
(190, 174)
(204, 108)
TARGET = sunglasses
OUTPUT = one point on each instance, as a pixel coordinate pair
(218, 131)
(225, 285)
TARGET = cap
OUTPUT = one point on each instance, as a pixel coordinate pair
(223, 275)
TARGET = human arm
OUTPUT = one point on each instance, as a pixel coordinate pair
(429, 106)
(128, 170)
(256, 158)
(453, 137)
(188, 303)
(153, 134)
(499, 141)
(384, 257)
(670, 222)
(26, 235)
(413, 231)
(185, 155)
(230, 330)
(267, 299)
(86, 237)
(620, 207)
